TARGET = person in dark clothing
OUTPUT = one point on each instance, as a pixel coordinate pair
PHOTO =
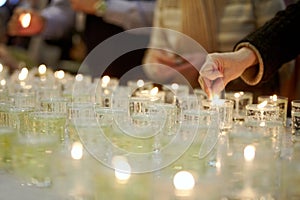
(258, 56)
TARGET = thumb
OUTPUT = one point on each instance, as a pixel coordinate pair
(210, 71)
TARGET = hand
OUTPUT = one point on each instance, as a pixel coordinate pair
(86, 6)
(157, 65)
(221, 68)
(35, 26)
(189, 67)
(178, 67)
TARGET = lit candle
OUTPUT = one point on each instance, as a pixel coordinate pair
(278, 101)
(77, 151)
(140, 83)
(122, 169)
(25, 19)
(42, 69)
(105, 81)
(237, 96)
(184, 183)
(23, 76)
(3, 83)
(249, 153)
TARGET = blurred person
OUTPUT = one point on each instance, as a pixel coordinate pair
(258, 56)
(215, 24)
(95, 21)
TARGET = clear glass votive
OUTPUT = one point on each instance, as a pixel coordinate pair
(224, 108)
(104, 115)
(280, 101)
(240, 99)
(295, 114)
(58, 104)
(7, 141)
(200, 94)
(260, 114)
(138, 109)
(33, 159)
(23, 100)
(47, 123)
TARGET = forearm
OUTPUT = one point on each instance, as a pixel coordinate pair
(275, 43)
(59, 19)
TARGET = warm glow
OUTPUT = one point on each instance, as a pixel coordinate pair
(154, 91)
(1, 67)
(238, 94)
(262, 124)
(184, 180)
(215, 97)
(249, 153)
(140, 83)
(25, 19)
(175, 86)
(262, 104)
(77, 151)
(122, 169)
(105, 81)
(23, 74)
(79, 77)
(59, 74)
(42, 69)
(274, 97)
(3, 82)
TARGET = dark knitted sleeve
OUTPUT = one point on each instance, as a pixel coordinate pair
(278, 41)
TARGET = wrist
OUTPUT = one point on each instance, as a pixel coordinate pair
(247, 57)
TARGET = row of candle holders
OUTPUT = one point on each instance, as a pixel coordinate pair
(41, 110)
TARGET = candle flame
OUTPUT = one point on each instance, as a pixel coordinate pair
(59, 74)
(3, 82)
(79, 77)
(1, 67)
(183, 181)
(262, 104)
(122, 168)
(249, 153)
(25, 19)
(238, 94)
(23, 74)
(274, 97)
(105, 81)
(42, 69)
(175, 86)
(77, 151)
(154, 91)
(140, 83)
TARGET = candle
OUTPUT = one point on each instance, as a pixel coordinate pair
(105, 81)
(279, 101)
(122, 169)
(25, 19)
(249, 153)
(42, 69)
(261, 113)
(184, 183)
(77, 151)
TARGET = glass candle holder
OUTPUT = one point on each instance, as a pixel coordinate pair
(279, 101)
(261, 114)
(240, 99)
(295, 114)
(224, 108)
